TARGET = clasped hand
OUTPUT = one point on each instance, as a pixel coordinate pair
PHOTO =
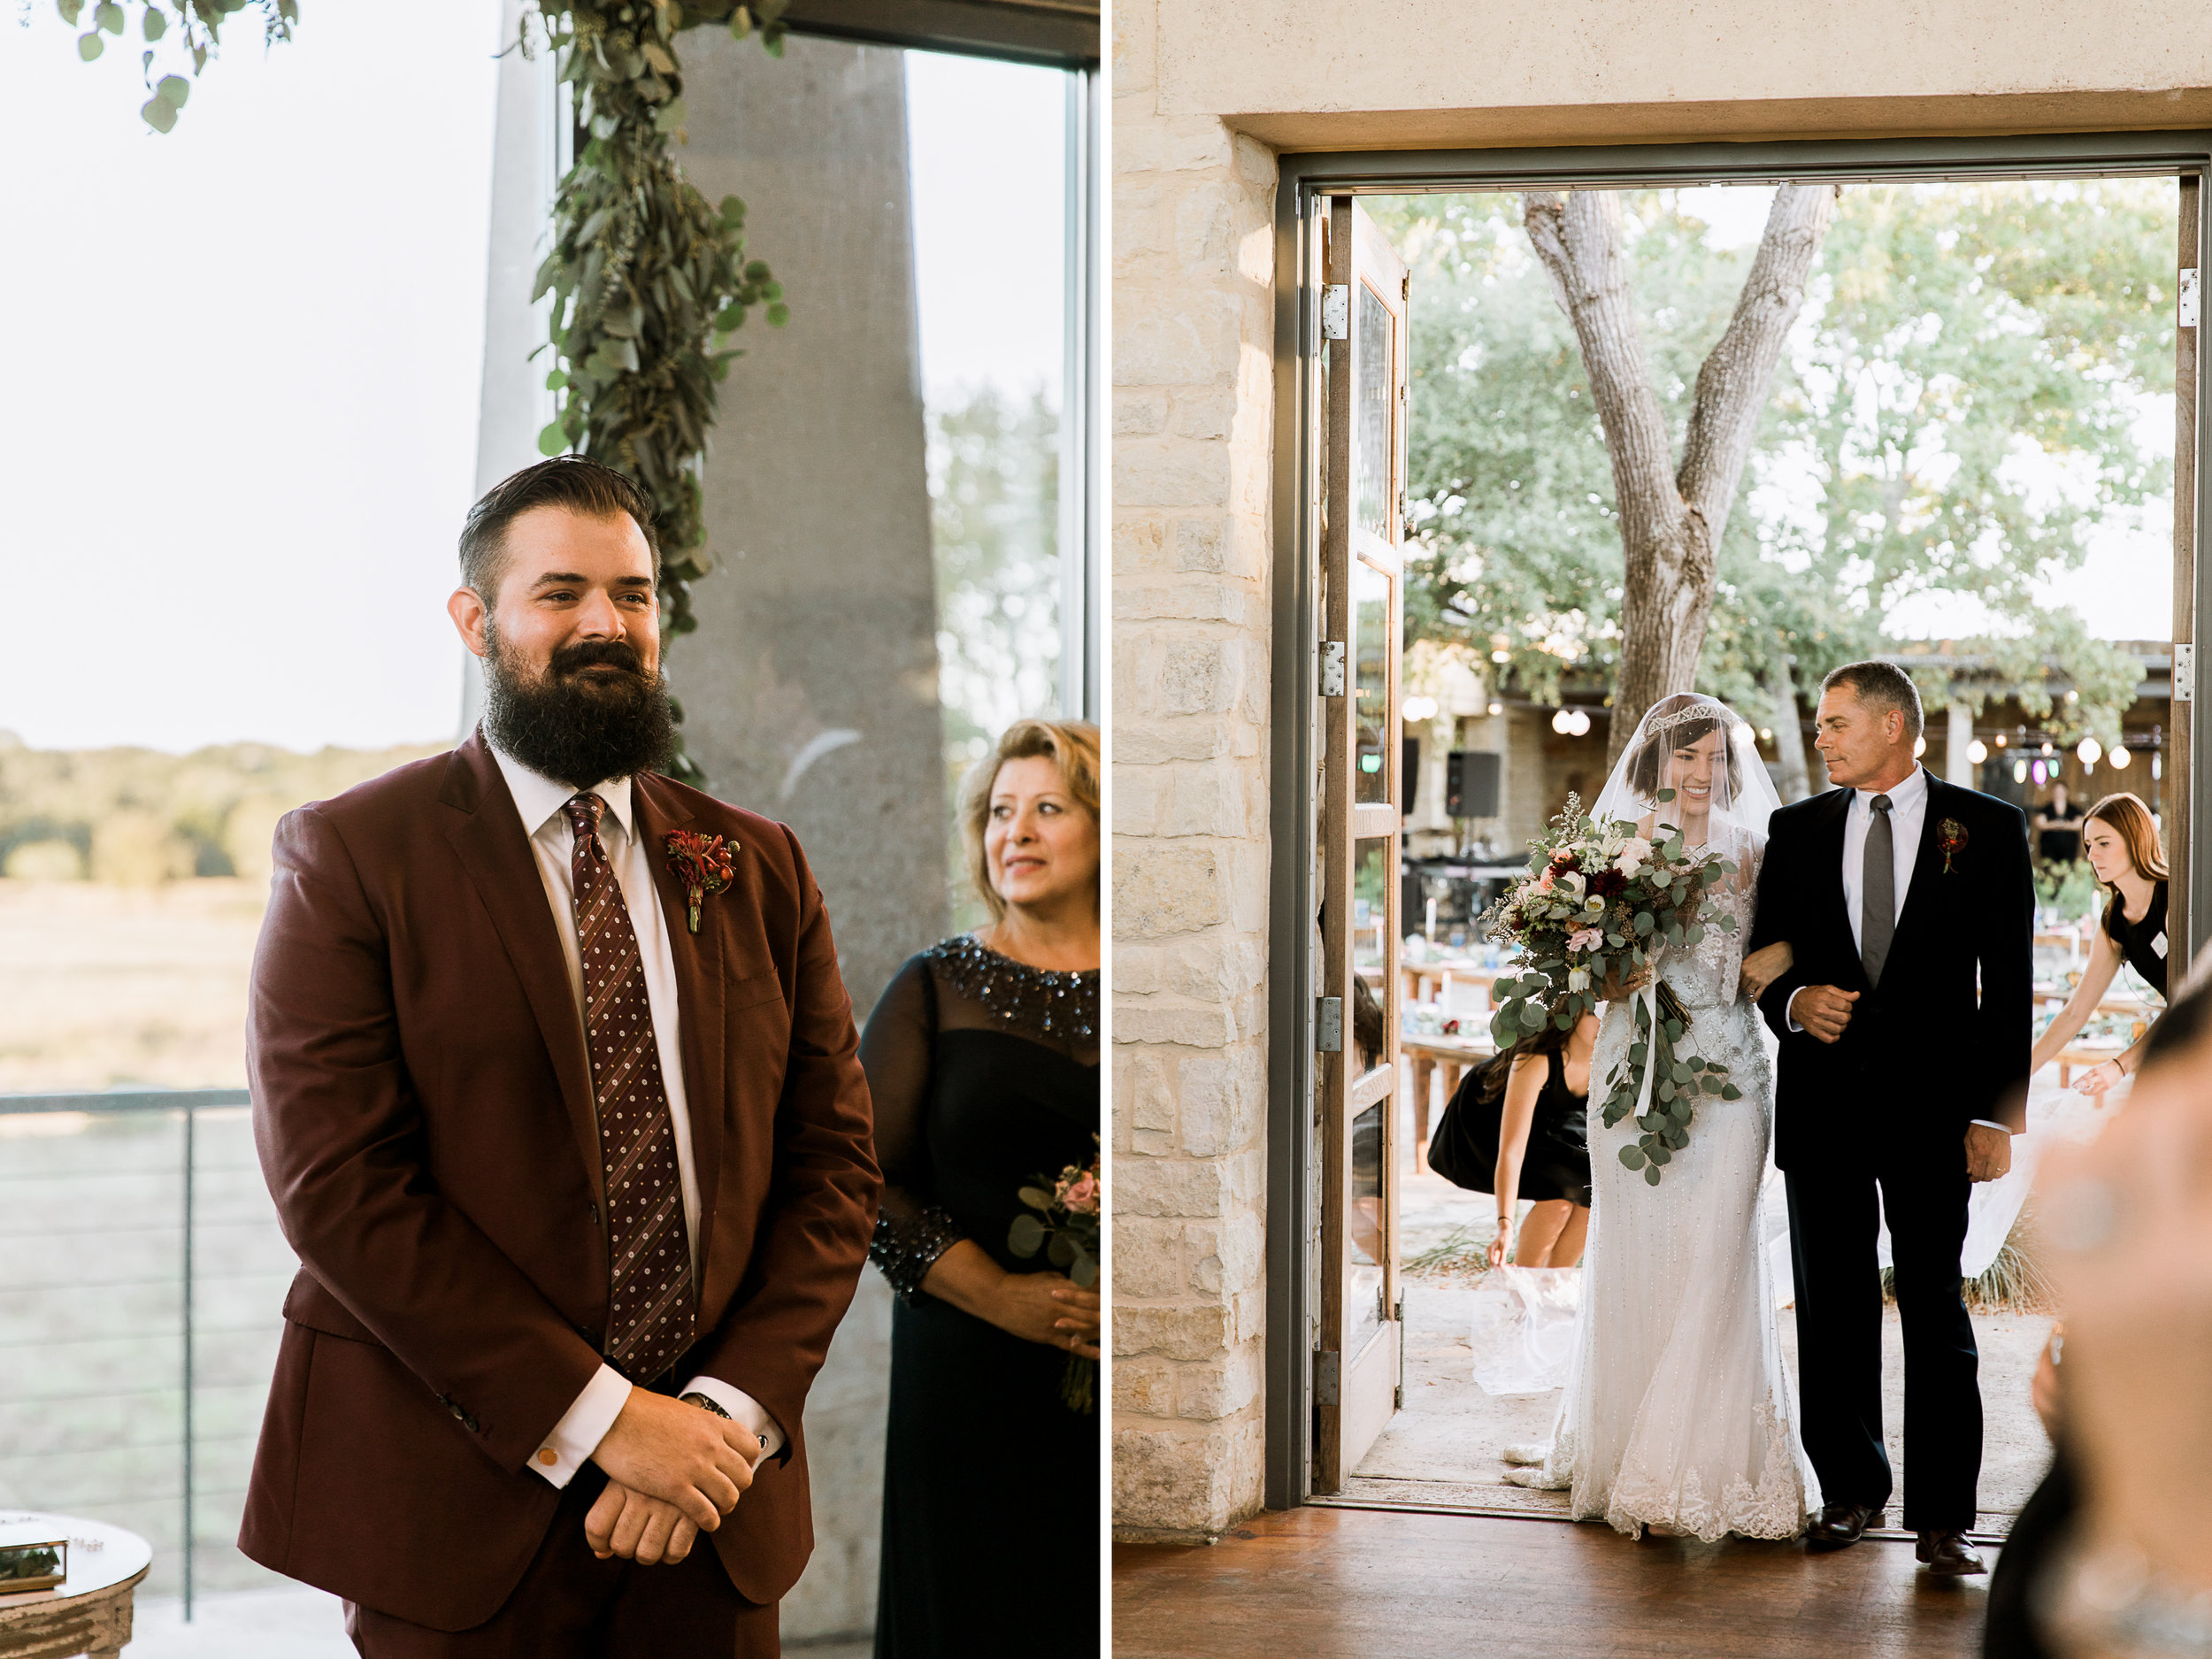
(673, 1472)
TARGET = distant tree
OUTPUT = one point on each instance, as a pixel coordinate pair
(995, 496)
(1671, 514)
(1947, 329)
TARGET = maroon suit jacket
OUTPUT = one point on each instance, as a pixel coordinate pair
(423, 1106)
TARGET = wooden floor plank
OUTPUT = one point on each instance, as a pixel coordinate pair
(1322, 1582)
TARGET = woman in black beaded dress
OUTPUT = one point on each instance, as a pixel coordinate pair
(2120, 841)
(982, 1056)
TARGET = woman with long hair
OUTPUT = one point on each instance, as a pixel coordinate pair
(2120, 839)
(982, 1057)
(1518, 1121)
(1677, 1414)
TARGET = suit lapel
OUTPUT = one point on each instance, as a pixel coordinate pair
(700, 976)
(1927, 868)
(488, 838)
(1834, 913)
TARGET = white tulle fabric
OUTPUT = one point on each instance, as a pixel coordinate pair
(1676, 1412)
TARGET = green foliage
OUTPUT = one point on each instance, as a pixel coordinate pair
(1949, 333)
(199, 27)
(649, 281)
(995, 491)
(2068, 885)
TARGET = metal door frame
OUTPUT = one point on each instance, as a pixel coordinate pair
(1305, 182)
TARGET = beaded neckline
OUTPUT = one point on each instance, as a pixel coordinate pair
(1035, 1002)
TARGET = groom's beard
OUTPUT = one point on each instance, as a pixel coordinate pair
(575, 730)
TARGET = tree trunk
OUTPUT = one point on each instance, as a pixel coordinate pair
(1794, 782)
(1671, 517)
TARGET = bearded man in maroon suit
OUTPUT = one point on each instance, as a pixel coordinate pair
(555, 1084)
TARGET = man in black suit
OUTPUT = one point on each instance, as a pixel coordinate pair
(1904, 1019)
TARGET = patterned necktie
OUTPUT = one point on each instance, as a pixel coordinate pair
(1877, 892)
(649, 1310)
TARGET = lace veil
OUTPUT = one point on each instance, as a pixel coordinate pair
(1708, 756)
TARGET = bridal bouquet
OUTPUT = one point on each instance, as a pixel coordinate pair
(1068, 1234)
(1598, 905)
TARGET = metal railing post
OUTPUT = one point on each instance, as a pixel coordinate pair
(190, 1118)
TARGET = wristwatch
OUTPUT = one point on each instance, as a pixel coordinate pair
(707, 1403)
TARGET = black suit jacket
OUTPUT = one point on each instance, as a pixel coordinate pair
(1945, 1037)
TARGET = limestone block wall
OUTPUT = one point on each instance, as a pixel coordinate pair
(1193, 403)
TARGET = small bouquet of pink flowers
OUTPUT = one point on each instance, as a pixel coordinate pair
(1066, 1229)
(1598, 905)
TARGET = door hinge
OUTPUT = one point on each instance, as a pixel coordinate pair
(1336, 311)
(1405, 286)
(1398, 1313)
(2185, 311)
(1398, 1398)
(2185, 673)
(1328, 1378)
(1328, 1025)
(1332, 668)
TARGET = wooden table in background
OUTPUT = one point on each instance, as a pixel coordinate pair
(1423, 1055)
(1414, 978)
(89, 1613)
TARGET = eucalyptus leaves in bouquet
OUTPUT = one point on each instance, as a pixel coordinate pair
(1599, 905)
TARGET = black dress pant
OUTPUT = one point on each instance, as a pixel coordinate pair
(1834, 1219)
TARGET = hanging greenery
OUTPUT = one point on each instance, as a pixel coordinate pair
(649, 283)
(198, 28)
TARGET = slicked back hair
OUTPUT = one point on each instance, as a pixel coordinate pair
(581, 486)
(1881, 687)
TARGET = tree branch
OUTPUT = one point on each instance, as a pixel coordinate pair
(1578, 238)
(1732, 385)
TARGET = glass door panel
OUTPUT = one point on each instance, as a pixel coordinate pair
(1357, 1365)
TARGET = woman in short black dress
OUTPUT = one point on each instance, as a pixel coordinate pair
(982, 1057)
(1520, 1121)
(2120, 839)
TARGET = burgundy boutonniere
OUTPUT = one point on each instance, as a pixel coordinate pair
(1950, 839)
(702, 862)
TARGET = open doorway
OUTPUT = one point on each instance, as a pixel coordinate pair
(1966, 460)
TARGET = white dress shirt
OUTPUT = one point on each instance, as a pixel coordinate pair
(1908, 816)
(552, 841)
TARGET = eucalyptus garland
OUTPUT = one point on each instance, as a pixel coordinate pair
(649, 283)
(199, 27)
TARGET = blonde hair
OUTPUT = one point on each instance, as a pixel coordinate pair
(1071, 745)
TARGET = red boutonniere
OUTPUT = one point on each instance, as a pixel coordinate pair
(1950, 837)
(702, 862)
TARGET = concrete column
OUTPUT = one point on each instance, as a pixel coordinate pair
(809, 689)
(513, 403)
(1958, 767)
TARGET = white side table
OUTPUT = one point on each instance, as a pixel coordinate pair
(88, 1612)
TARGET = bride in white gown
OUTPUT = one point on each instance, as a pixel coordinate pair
(1677, 1414)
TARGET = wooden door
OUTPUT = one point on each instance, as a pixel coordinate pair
(1359, 1367)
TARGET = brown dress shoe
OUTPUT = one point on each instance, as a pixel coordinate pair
(1840, 1524)
(1949, 1555)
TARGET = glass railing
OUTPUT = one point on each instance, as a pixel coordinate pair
(140, 1311)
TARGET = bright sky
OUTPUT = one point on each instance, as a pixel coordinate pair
(2122, 588)
(240, 425)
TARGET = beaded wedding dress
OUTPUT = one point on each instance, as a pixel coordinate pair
(1676, 1412)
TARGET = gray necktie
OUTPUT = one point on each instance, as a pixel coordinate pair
(1877, 892)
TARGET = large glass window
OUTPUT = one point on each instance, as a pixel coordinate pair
(989, 160)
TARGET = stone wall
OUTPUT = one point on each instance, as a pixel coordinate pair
(1193, 401)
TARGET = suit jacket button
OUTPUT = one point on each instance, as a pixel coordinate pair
(459, 1415)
